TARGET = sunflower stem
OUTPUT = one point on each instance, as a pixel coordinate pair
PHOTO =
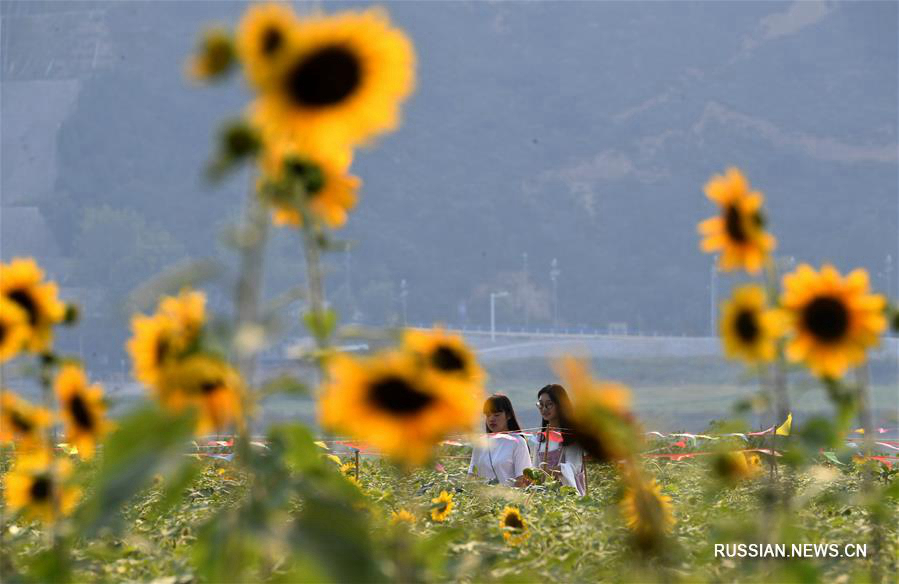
(865, 418)
(315, 280)
(247, 293)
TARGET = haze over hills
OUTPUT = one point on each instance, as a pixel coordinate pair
(577, 131)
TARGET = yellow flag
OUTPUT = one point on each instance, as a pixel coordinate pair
(784, 429)
(859, 431)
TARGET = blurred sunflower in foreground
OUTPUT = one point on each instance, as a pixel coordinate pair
(738, 233)
(161, 338)
(515, 528)
(207, 383)
(337, 79)
(22, 283)
(646, 511)
(168, 353)
(22, 422)
(13, 329)
(402, 516)
(263, 38)
(600, 412)
(36, 484)
(833, 319)
(749, 329)
(83, 410)
(445, 354)
(297, 178)
(734, 466)
(394, 404)
(442, 506)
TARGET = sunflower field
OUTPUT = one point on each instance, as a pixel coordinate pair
(181, 489)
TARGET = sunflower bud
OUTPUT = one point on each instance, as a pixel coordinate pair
(237, 141)
(309, 174)
(214, 58)
(72, 315)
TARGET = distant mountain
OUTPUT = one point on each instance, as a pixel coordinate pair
(577, 131)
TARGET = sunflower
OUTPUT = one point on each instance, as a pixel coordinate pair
(327, 192)
(446, 354)
(754, 461)
(151, 345)
(600, 413)
(344, 78)
(515, 528)
(188, 310)
(83, 410)
(749, 330)
(160, 339)
(207, 383)
(735, 466)
(21, 282)
(13, 329)
(402, 516)
(833, 319)
(263, 37)
(36, 484)
(390, 402)
(646, 511)
(442, 506)
(739, 232)
(214, 57)
(22, 422)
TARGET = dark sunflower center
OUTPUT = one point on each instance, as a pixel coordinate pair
(81, 413)
(272, 40)
(325, 78)
(827, 318)
(209, 387)
(22, 424)
(2, 332)
(747, 326)
(396, 396)
(733, 224)
(447, 359)
(23, 299)
(40, 488)
(308, 172)
(513, 521)
(162, 349)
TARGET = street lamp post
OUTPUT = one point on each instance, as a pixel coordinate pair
(554, 273)
(493, 297)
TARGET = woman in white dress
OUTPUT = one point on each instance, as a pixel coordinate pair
(555, 448)
(502, 455)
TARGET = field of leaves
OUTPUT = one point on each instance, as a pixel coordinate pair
(570, 539)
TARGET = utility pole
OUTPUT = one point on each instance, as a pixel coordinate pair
(525, 271)
(493, 297)
(888, 271)
(713, 298)
(554, 276)
(351, 306)
(404, 291)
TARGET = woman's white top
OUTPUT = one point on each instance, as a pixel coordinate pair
(569, 462)
(500, 456)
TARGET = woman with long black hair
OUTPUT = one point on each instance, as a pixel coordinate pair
(556, 449)
(503, 454)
